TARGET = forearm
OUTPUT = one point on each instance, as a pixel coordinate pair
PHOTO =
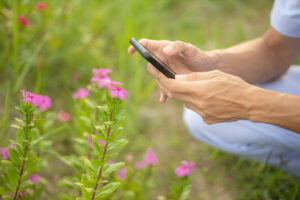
(259, 60)
(275, 108)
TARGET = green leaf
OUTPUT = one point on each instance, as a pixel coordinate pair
(117, 144)
(13, 155)
(107, 190)
(89, 168)
(97, 146)
(185, 193)
(19, 110)
(107, 169)
(16, 126)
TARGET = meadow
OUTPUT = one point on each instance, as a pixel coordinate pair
(54, 51)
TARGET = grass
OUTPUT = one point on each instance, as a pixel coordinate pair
(56, 54)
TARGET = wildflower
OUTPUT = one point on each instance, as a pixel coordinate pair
(99, 74)
(43, 102)
(34, 179)
(108, 83)
(185, 169)
(118, 92)
(23, 21)
(4, 153)
(122, 173)
(40, 6)
(81, 93)
(64, 116)
(101, 142)
(149, 159)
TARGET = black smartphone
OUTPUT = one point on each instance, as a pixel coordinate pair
(151, 58)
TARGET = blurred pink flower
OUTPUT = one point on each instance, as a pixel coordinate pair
(149, 159)
(118, 92)
(108, 83)
(99, 74)
(23, 21)
(185, 169)
(101, 142)
(34, 179)
(40, 6)
(43, 102)
(122, 173)
(4, 153)
(81, 93)
(64, 116)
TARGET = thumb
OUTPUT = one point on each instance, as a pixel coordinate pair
(180, 47)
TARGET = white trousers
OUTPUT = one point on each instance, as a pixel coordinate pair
(257, 141)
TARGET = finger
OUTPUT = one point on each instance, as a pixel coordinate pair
(177, 47)
(170, 84)
(131, 49)
(163, 97)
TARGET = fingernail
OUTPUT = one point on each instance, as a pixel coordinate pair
(180, 77)
(168, 49)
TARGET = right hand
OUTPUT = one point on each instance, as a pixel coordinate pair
(181, 57)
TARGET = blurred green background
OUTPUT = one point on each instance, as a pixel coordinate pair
(55, 55)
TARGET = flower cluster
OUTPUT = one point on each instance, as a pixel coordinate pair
(185, 169)
(149, 159)
(39, 101)
(102, 80)
(22, 19)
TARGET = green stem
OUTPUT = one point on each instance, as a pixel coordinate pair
(27, 142)
(103, 158)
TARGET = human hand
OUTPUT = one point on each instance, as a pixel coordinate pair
(215, 95)
(183, 58)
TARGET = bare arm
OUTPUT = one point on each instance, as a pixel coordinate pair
(259, 60)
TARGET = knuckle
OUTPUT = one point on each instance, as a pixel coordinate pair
(170, 95)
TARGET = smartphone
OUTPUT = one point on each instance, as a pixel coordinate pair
(151, 58)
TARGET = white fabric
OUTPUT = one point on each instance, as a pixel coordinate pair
(285, 17)
(256, 141)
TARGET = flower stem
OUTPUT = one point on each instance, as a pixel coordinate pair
(24, 157)
(103, 158)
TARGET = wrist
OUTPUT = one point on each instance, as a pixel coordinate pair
(213, 59)
(262, 104)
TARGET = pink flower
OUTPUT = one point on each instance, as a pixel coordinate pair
(40, 6)
(118, 92)
(81, 93)
(99, 74)
(122, 173)
(23, 21)
(4, 153)
(34, 179)
(108, 83)
(185, 169)
(149, 159)
(43, 102)
(64, 116)
(101, 142)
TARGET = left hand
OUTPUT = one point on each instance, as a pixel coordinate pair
(215, 95)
